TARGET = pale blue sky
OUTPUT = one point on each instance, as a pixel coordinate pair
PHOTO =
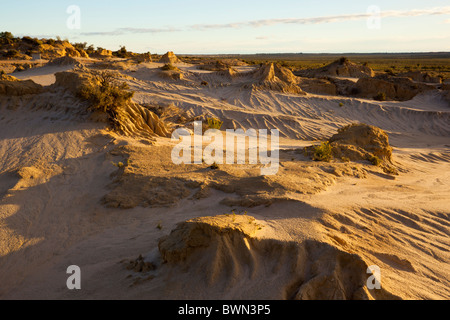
(244, 26)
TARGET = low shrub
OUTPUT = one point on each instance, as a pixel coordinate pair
(381, 96)
(214, 123)
(12, 53)
(374, 160)
(323, 152)
(106, 94)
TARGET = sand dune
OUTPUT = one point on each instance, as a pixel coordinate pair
(309, 232)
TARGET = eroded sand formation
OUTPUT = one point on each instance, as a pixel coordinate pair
(74, 191)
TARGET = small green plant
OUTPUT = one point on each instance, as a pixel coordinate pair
(118, 164)
(214, 123)
(341, 104)
(323, 152)
(374, 160)
(381, 96)
(159, 226)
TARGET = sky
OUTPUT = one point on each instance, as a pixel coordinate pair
(237, 26)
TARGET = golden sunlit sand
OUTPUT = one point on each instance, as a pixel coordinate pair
(81, 185)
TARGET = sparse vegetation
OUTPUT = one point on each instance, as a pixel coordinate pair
(390, 170)
(32, 41)
(6, 38)
(80, 46)
(375, 160)
(322, 152)
(121, 53)
(118, 164)
(106, 94)
(12, 54)
(214, 123)
(381, 96)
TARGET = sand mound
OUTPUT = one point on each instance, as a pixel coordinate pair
(73, 80)
(228, 73)
(356, 142)
(234, 62)
(102, 53)
(393, 88)
(277, 78)
(135, 120)
(422, 77)
(226, 253)
(60, 49)
(130, 119)
(221, 65)
(169, 57)
(340, 68)
(122, 65)
(214, 66)
(200, 232)
(171, 74)
(64, 61)
(149, 183)
(318, 86)
(13, 87)
(143, 57)
(361, 142)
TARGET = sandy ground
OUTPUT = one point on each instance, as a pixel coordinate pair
(63, 202)
(44, 76)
